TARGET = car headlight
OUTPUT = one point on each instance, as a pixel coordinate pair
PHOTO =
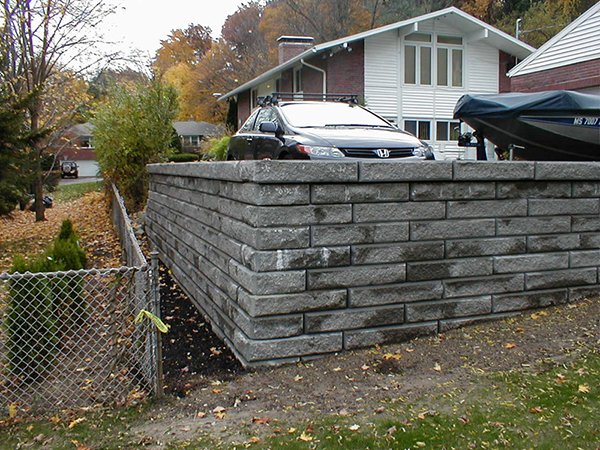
(331, 152)
(424, 151)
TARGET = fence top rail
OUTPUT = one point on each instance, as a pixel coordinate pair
(139, 255)
(4, 276)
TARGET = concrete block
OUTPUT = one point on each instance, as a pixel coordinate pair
(452, 229)
(266, 283)
(359, 234)
(430, 191)
(395, 212)
(452, 324)
(271, 305)
(405, 171)
(395, 253)
(273, 216)
(356, 276)
(351, 319)
(483, 286)
(395, 294)
(567, 171)
(528, 300)
(563, 278)
(533, 189)
(444, 309)
(455, 268)
(531, 263)
(586, 189)
(272, 238)
(463, 248)
(273, 171)
(553, 243)
(587, 258)
(556, 207)
(386, 335)
(585, 292)
(533, 225)
(590, 241)
(487, 208)
(292, 259)
(588, 223)
(266, 194)
(484, 171)
(274, 349)
(359, 193)
(267, 327)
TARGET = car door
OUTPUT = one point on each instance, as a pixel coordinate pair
(266, 143)
(240, 144)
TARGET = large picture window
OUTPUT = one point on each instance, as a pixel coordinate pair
(420, 128)
(419, 63)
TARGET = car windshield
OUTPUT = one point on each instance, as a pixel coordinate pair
(330, 115)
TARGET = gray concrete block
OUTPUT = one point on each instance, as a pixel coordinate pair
(553, 243)
(587, 258)
(533, 225)
(395, 212)
(359, 193)
(484, 171)
(567, 171)
(274, 171)
(386, 335)
(452, 229)
(483, 286)
(271, 305)
(487, 208)
(563, 278)
(429, 191)
(359, 234)
(292, 259)
(356, 276)
(395, 294)
(586, 292)
(267, 327)
(533, 189)
(266, 194)
(266, 283)
(273, 349)
(557, 207)
(531, 262)
(405, 171)
(589, 223)
(445, 309)
(455, 268)
(590, 241)
(485, 247)
(452, 324)
(273, 216)
(395, 253)
(528, 300)
(586, 189)
(351, 319)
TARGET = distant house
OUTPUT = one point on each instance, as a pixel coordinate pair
(192, 133)
(570, 60)
(78, 146)
(410, 72)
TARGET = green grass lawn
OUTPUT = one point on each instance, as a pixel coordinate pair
(557, 408)
(69, 192)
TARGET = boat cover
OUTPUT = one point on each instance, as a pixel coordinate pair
(515, 103)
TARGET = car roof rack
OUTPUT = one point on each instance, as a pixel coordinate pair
(276, 97)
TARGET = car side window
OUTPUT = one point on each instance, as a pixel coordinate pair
(249, 123)
(264, 115)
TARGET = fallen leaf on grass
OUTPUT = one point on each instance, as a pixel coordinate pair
(305, 437)
(392, 356)
(437, 367)
(509, 346)
(254, 440)
(261, 420)
(536, 410)
(584, 389)
(354, 427)
(391, 430)
(76, 422)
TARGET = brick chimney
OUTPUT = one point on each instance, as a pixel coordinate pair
(291, 46)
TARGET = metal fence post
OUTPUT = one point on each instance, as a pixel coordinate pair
(156, 307)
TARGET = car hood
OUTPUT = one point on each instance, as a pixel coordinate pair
(353, 137)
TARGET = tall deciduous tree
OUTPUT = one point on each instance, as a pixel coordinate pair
(132, 129)
(40, 38)
(183, 46)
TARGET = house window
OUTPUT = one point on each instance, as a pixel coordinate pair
(420, 128)
(419, 61)
(253, 98)
(447, 131)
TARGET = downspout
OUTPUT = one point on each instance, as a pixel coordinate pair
(310, 66)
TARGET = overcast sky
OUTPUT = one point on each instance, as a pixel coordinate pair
(142, 24)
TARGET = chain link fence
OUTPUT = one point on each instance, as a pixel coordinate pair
(70, 339)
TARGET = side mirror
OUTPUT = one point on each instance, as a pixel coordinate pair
(268, 127)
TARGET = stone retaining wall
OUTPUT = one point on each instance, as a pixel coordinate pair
(291, 259)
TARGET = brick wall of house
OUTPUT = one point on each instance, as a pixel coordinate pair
(291, 259)
(243, 107)
(507, 62)
(572, 77)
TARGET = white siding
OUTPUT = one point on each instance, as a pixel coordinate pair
(482, 66)
(381, 73)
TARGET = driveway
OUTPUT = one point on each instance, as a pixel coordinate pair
(67, 181)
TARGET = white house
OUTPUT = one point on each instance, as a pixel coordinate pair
(410, 72)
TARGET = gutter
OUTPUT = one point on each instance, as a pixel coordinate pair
(310, 66)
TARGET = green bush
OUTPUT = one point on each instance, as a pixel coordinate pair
(41, 309)
(184, 157)
(216, 148)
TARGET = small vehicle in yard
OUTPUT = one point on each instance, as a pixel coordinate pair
(69, 169)
(322, 126)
